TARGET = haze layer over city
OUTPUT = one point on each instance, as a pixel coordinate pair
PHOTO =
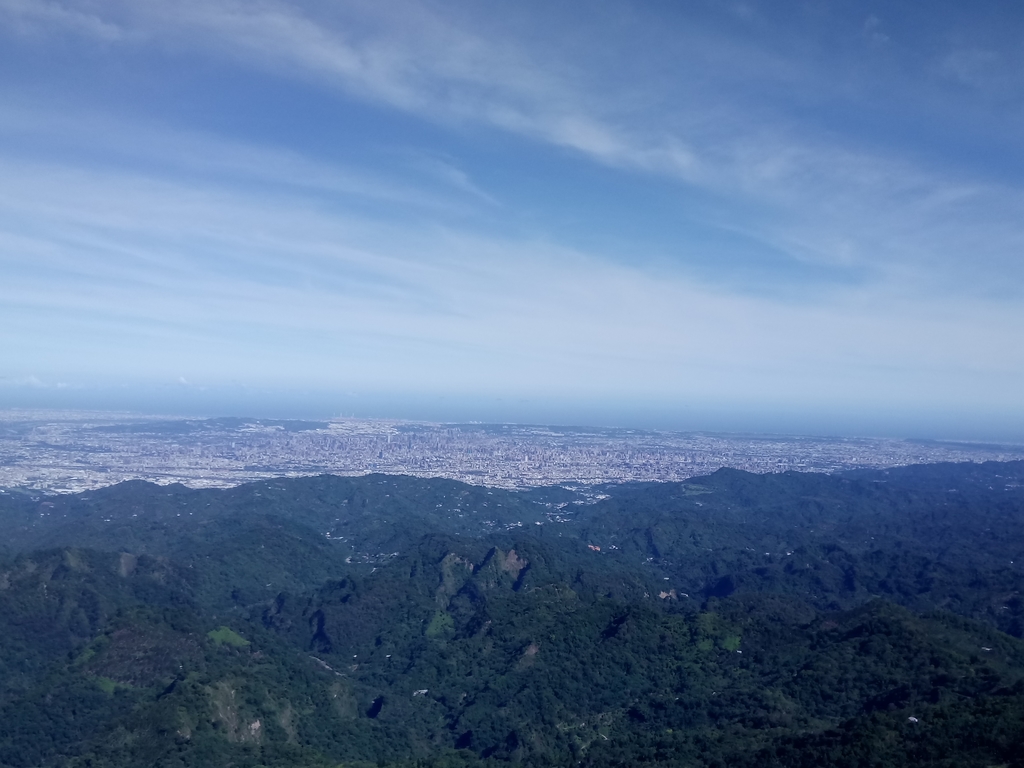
(76, 451)
(777, 218)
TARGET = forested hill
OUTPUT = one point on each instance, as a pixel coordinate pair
(865, 618)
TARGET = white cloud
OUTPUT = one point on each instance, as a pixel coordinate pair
(31, 382)
(873, 30)
(446, 171)
(42, 16)
(265, 289)
(822, 199)
(971, 66)
(180, 153)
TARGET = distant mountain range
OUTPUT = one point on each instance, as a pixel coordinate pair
(855, 619)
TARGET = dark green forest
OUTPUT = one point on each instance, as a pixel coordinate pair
(869, 618)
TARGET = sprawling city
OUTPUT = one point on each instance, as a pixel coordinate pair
(70, 451)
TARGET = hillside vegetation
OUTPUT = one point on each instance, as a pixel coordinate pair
(864, 619)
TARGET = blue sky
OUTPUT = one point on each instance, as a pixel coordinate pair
(795, 217)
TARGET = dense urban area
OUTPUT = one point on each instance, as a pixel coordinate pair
(63, 452)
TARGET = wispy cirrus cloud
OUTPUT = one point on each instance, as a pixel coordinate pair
(159, 151)
(29, 17)
(186, 275)
(816, 195)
